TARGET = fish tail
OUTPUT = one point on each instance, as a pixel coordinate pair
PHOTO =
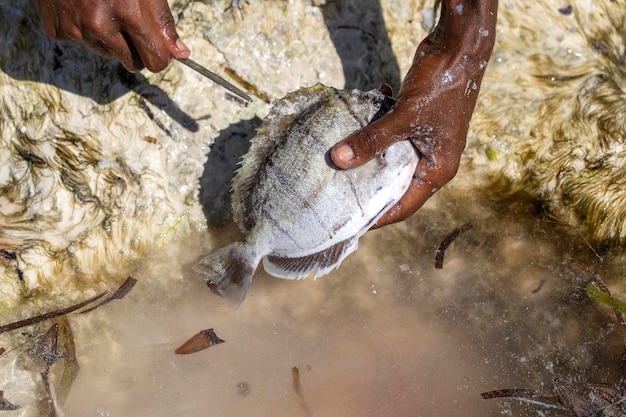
(228, 272)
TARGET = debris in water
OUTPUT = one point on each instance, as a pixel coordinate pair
(6, 405)
(604, 297)
(560, 222)
(46, 348)
(117, 295)
(441, 250)
(243, 388)
(592, 399)
(58, 412)
(47, 316)
(200, 341)
(297, 387)
(529, 395)
(539, 287)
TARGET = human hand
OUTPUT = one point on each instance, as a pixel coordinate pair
(140, 33)
(434, 105)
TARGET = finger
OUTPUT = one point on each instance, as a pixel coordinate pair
(47, 13)
(363, 145)
(122, 48)
(169, 43)
(430, 175)
(107, 40)
(178, 49)
(163, 16)
(142, 27)
(151, 47)
(99, 33)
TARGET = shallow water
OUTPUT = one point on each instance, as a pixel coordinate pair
(386, 334)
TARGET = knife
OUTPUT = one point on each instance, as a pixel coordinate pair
(214, 77)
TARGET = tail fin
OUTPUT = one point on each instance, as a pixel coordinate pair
(228, 272)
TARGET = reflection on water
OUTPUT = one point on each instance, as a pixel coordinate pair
(386, 334)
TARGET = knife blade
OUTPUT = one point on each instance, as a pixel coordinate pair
(214, 77)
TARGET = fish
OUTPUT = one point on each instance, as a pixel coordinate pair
(298, 211)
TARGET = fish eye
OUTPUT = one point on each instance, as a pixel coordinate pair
(378, 103)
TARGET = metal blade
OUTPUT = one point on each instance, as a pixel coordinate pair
(215, 78)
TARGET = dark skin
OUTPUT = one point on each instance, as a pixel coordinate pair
(434, 105)
(433, 108)
(140, 33)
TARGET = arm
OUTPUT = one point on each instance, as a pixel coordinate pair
(140, 33)
(435, 103)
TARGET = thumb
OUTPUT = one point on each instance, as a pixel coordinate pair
(178, 49)
(176, 46)
(363, 145)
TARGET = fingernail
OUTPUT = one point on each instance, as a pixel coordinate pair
(344, 153)
(181, 46)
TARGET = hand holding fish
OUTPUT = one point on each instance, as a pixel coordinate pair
(434, 105)
(140, 33)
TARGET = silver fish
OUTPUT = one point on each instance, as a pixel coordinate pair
(299, 212)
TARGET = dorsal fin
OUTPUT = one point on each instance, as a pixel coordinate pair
(268, 136)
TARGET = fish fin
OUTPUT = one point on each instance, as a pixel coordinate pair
(228, 272)
(269, 135)
(298, 268)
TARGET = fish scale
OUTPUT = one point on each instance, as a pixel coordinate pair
(299, 212)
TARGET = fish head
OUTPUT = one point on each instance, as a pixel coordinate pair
(388, 100)
(371, 105)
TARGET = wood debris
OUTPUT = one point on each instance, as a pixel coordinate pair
(441, 250)
(200, 341)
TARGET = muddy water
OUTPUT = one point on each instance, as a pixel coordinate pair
(385, 335)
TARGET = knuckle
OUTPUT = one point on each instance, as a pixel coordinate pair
(65, 29)
(55, 33)
(166, 21)
(99, 25)
(369, 143)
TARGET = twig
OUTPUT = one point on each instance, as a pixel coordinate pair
(118, 295)
(578, 232)
(297, 387)
(441, 251)
(47, 316)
